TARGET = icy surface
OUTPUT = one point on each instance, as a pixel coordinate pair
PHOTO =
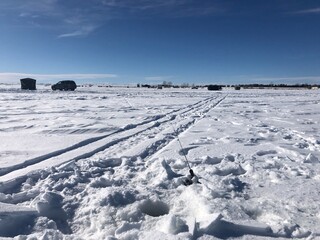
(106, 163)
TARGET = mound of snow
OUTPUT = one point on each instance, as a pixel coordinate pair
(15, 219)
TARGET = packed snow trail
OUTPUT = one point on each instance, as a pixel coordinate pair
(83, 143)
(89, 147)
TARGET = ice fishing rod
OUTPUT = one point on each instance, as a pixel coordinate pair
(192, 178)
(182, 149)
(178, 139)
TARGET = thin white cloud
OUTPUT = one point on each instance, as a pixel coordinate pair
(73, 34)
(15, 77)
(84, 31)
(80, 18)
(309, 11)
(165, 8)
(70, 18)
(144, 4)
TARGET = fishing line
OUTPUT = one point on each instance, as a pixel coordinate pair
(180, 144)
(177, 135)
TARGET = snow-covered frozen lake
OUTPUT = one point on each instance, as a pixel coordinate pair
(109, 163)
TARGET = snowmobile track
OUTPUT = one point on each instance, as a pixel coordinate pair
(160, 125)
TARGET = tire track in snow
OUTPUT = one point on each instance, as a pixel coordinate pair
(92, 146)
(83, 143)
(146, 148)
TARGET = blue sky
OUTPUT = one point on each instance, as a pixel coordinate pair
(151, 41)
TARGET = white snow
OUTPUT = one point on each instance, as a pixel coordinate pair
(106, 163)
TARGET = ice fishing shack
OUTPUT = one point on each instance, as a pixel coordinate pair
(28, 83)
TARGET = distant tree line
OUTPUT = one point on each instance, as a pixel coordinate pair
(293, 86)
(217, 87)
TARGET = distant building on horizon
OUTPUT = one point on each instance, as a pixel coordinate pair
(28, 84)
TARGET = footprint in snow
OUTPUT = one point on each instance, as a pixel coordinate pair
(266, 152)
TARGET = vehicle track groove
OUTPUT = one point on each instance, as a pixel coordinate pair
(92, 146)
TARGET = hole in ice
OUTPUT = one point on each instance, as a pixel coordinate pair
(154, 208)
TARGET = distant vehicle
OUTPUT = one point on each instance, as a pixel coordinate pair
(214, 87)
(67, 85)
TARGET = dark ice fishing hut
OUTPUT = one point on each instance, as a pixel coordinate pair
(28, 83)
